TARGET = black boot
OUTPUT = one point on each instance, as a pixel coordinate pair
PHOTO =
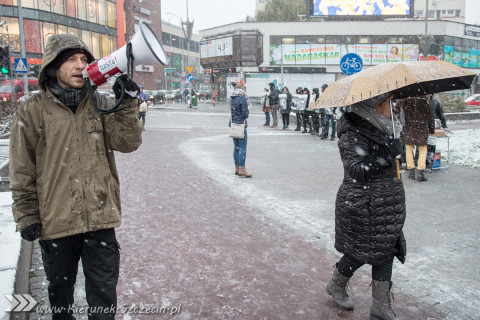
(298, 129)
(421, 176)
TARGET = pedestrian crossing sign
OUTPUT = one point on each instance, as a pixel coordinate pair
(21, 65)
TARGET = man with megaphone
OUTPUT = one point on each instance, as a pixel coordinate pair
(64, 181)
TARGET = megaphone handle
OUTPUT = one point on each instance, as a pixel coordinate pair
(114, 108)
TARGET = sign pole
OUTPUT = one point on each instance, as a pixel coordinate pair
(22, 44)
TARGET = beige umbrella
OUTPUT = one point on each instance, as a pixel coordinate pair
(399, 79)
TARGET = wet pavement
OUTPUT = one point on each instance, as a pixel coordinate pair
(199, 242)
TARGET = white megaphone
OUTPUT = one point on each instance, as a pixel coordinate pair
(145, 48)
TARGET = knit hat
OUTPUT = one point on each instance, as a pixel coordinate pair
(64, 55)
(324, 86)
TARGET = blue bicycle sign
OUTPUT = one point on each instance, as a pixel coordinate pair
(351, 63)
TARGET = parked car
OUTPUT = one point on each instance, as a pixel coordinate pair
(6, 89)
(170, 96)
(204, 94)
(473, 100)
(178, 95)
(157, 97)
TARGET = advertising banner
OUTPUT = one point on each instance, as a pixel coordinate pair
(330, 54)
(362, 8)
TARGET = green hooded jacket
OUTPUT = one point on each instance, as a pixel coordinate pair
(62, 165)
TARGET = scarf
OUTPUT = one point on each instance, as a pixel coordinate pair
(71, 97)
(376, 119)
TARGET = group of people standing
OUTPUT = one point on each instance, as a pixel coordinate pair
(274, 100)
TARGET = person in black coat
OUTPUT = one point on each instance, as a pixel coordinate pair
(315, 113)
(438, 111)
(285, 110)
(306, 113)
(370, 205)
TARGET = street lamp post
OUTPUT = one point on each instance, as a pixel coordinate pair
(187, 27)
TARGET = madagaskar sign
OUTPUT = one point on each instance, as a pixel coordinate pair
(371, 54)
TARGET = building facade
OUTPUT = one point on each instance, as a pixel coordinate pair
(104, 26)
(182, 54)
(308, 54)
(94, 21)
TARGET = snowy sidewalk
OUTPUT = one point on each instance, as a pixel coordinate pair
(197, 239)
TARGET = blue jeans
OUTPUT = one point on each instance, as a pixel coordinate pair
(326, 119)
(267, 118)
(240, 150)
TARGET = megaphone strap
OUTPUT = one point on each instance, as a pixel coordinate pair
(130, 60)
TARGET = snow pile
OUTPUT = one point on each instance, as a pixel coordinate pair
(464, 148)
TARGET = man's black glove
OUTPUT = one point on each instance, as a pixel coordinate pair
(131, 88)
(31, 232)
(395, 147)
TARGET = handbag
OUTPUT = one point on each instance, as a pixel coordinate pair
(237, 130)
(143, 107)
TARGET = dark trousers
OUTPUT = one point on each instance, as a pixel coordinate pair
(306, 121)
(348, 265)
(299, 119)
(285, 119)
(267, 118)
(99, 251)
(141, 115)
(316, 122)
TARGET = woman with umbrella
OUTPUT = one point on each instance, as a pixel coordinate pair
(370, 204)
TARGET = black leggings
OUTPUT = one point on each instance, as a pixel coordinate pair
(347, 267)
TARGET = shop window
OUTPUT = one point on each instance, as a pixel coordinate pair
(45, 5)
(102, 8)
(92, 11)
(95, 45)
(318, 39)
(71, 9)
(275, 40)
(30, 4)
(82, 9)
(166, 39)
(75, 31)
(62, 29)
(48, 30)
(364, 39)
(33, 42)
(58, 7)
(111, 15)
(87, 38)
(303, 39)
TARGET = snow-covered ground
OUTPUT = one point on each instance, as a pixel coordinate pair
(464, 151)
(464, 147)
(9, 250)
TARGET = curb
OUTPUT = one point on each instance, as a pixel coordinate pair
(22, 276)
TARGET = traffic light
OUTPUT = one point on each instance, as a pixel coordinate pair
(5, 60)
(35, 70)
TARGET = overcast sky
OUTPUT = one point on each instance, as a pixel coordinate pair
(207, 13)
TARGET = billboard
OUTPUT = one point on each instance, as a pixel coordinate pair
(361, 8)
(216, 48)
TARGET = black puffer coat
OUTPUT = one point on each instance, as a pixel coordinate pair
(370, 205)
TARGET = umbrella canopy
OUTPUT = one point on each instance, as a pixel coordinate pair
(399, 79)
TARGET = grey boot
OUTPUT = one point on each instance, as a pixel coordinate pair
(337, 288)
(411, 173)
(382, 305)
(421, 175)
